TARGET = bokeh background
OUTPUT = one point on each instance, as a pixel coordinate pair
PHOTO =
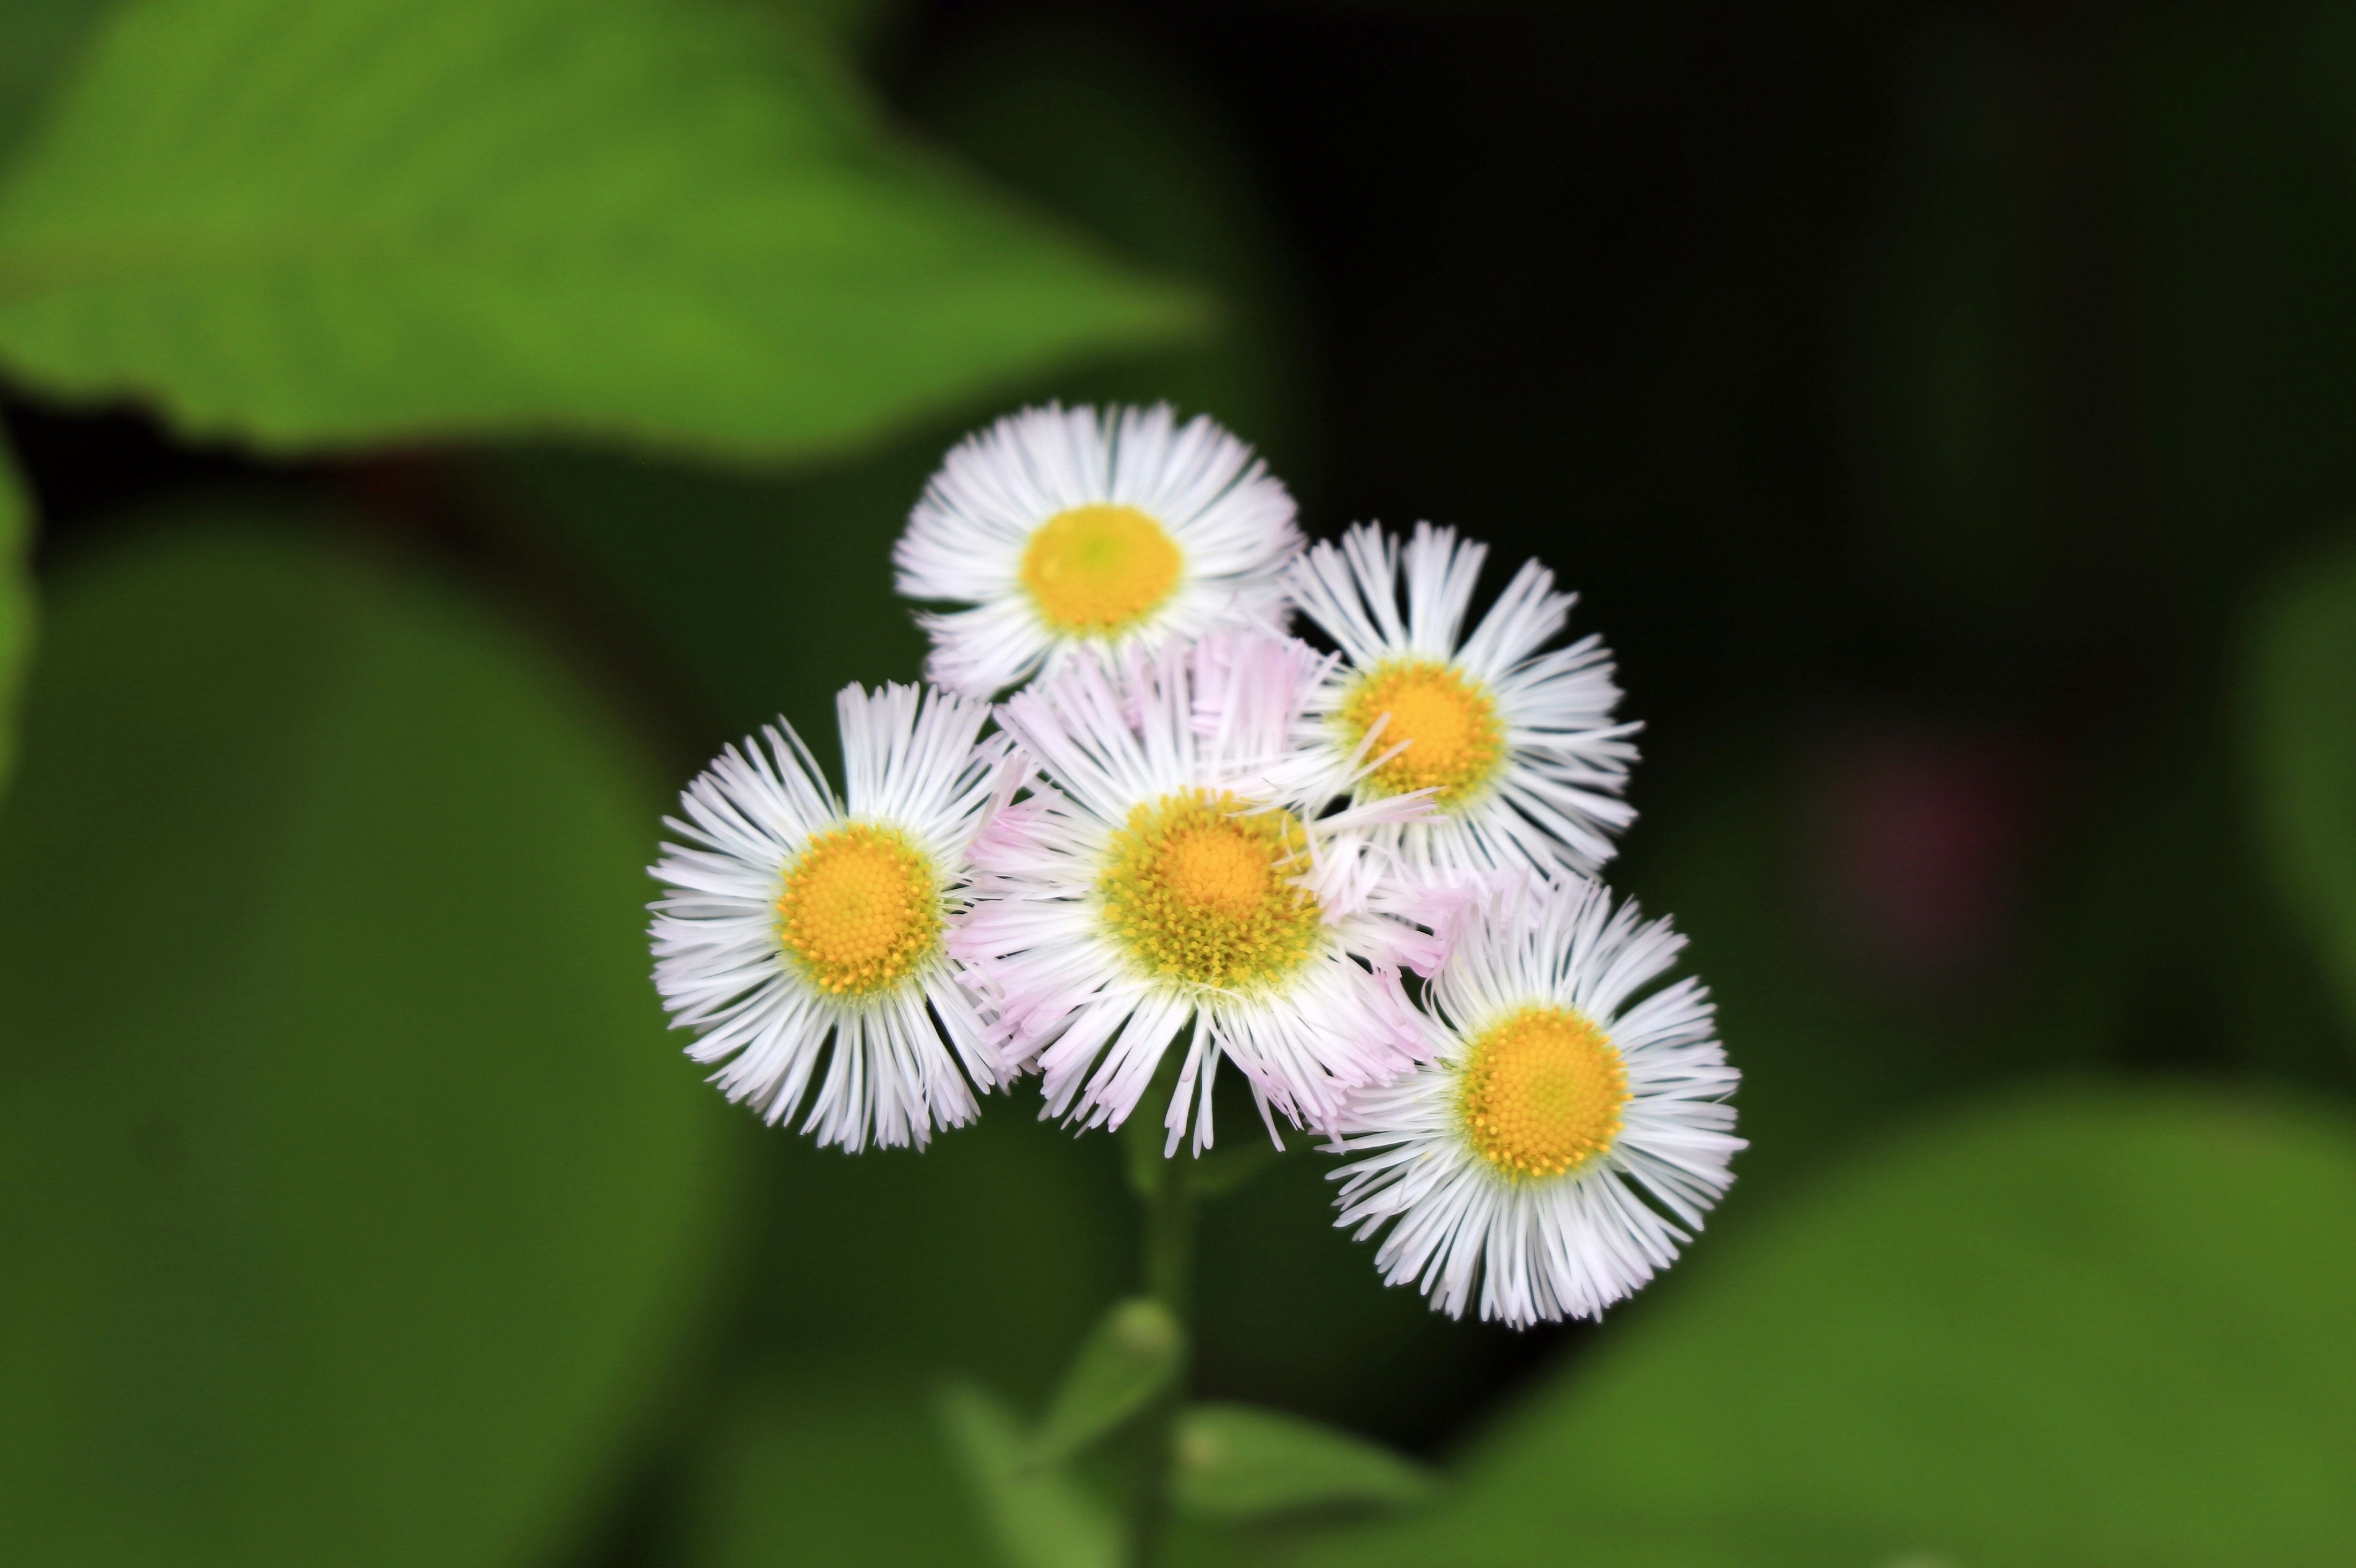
(433, 428)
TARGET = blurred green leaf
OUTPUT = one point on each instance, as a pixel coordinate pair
(353, 1198)
(2300, 700)
(859, 27)
(1235, 1463)
(849, 1471)
(989, 1253)
(18, 609)
(2093, 1326)
(805, 601)
(1040, 1518)
(39, 41)
(1125, 1361)
(327, 223)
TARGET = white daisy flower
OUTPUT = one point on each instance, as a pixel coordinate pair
(1162, 874)
(1514, 740)
(1078, 535)
(791, 918)
(1563, 1141)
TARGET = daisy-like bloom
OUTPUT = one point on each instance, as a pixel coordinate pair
(1514, 740)
(1162, 874)
(1563, 1140)
(791, 918)
(1078, 535)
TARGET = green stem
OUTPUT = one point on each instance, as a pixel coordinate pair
(1170, 1280)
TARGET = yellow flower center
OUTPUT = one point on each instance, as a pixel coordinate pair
(1097, 569)
(1202, 895)
(1454, 740)
(1541, 1094)
(862, 908)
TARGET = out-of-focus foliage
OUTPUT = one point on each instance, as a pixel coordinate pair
(37, 41)
(316, 223)
(17, 607)
(1919, 462)
(1064, 117)
(1126, 1359)
(988, 1255)
(1237, 1463)
(856, 27)
(2302, 738)
(356, 1205)
(1038, 1516)
(1974, 1346)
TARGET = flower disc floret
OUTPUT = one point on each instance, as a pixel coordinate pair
(1542, 1093)
(1099, 569)
(1571, 1130)
(1200, 889)
(1060, 536)
(1454, 738)
(861, 910)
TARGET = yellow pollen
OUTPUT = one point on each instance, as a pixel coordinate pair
(1541, 1094)
(1202, 894)
(860, 909)
(1450, 723)
(1099, 568)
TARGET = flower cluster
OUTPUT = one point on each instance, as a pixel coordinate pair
(1363, 878)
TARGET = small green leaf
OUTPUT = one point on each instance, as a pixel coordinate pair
(1123, 1363)
(1040, 1517)
(1235, 1463)
(2300, 697)
(354, 1201)
(18, 607)
(2093, 1327)
(331, 223)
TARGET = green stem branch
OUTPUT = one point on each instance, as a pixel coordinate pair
(1169, 1249)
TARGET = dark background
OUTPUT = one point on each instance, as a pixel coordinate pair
(1917, 396)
